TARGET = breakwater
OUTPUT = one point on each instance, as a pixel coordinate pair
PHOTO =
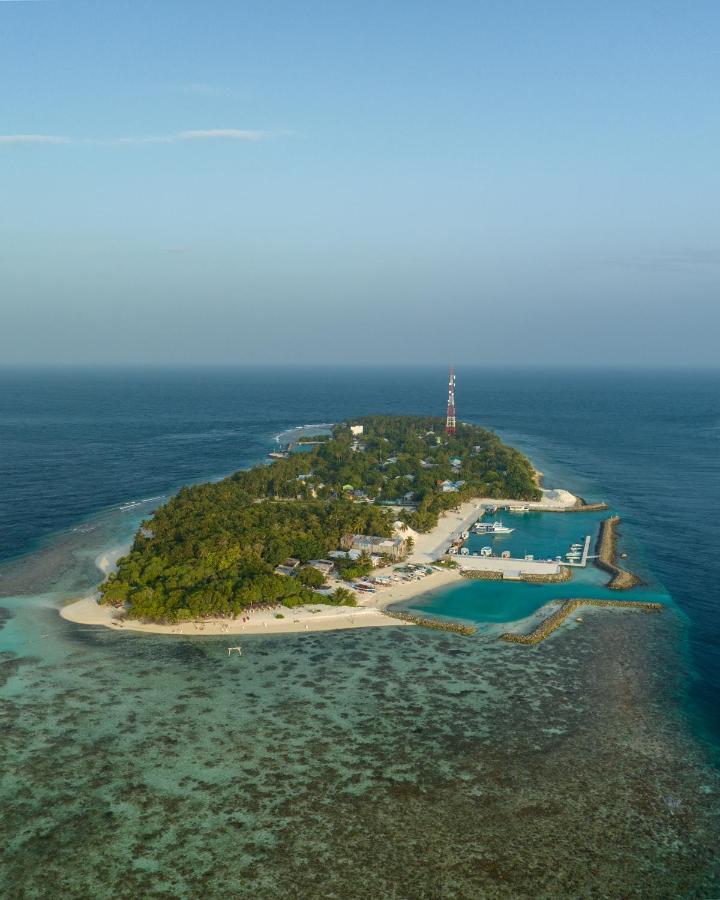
(481, 575)
(565, 574)
(580, 507)
(555, 620)
(437, 624)
(606, 559)
(587, 507)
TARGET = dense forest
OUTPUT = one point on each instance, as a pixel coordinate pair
(213, 548)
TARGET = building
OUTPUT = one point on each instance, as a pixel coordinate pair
(449, 487)
(287, 566)
(394, 547)
(325, 566)
(356, 430)
(345, 554)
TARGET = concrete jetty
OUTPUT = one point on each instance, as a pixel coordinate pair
(512, 567)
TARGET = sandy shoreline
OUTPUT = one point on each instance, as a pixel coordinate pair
(318, 617)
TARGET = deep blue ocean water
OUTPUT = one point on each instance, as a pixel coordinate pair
(84, 455)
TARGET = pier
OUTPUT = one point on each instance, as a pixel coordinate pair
(585, 553)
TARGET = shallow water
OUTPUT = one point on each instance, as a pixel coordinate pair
(397, 762)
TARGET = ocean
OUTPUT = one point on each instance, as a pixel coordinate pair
(392, 762)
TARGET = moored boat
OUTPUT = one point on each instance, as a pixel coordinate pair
(491, 528)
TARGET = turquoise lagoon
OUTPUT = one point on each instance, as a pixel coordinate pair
(545, 535)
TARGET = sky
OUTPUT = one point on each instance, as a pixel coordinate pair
(379, 182)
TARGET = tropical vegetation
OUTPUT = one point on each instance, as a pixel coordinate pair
(213, 548)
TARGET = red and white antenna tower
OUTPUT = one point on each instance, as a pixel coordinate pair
(450, 421)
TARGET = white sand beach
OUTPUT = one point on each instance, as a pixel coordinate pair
(320, 617)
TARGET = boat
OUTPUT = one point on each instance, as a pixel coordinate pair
(491, 528)
(519, 509)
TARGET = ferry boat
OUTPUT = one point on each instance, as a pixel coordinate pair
(491, 528)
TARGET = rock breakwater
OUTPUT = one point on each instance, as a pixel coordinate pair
(567, 607)
(565, 574)
(606, 559)
(481, 575)
(437, 624)
(580, 506)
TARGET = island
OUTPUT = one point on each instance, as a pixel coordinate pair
(304, 531)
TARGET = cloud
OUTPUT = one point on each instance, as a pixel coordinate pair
(208, 134)
(33, 139)
(211, 134)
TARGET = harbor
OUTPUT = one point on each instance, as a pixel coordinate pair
(491, 547)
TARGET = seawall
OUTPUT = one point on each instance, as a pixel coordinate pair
(565, 574)
(581, 506)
